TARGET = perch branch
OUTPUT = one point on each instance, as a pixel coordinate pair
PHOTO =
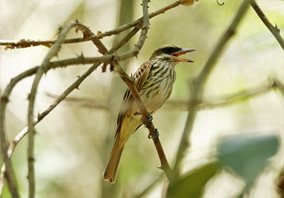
(273, 29)
(129, 82)
(199, 83)
(145, 115)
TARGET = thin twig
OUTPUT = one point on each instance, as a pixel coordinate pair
(217, 102)
(240, 96)
(29, 43)
(84, 102)
(273, 29)
(229, 99)
(9, 173)
(42, 115)
(125, 39)
(198, 84)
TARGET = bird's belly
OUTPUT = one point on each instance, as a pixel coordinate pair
(155, 100)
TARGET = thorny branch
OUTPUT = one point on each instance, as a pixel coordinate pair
(30, 72)
(129, 82)
(109, 58)
(47, 65)
(59, 99)
(32, 97)
(23, 43)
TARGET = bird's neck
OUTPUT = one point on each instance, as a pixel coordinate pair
(162, 69)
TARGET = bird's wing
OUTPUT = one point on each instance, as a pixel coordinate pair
(140, 77)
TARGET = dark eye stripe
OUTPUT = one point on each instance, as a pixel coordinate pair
(170, 50)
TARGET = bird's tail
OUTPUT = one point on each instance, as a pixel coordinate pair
(112, 166)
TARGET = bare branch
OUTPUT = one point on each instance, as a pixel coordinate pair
(129, 82)
(29, 43)
(40, 71)
(273, 29)
(59, 99)
(193, 105)
(76, 84)
(42, 115)
(200, 81)
(10, 176)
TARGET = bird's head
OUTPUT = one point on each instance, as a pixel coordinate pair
(171, 53)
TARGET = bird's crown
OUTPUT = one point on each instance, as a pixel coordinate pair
(166, 49)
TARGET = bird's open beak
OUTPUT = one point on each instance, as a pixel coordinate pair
(176, 55)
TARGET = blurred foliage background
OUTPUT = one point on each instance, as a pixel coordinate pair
(73, 143)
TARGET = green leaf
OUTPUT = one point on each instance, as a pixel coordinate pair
(192, 184)
(246, 154)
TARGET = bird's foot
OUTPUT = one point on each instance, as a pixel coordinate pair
(154, 135)
(147, 119)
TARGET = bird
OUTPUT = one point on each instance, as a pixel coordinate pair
(154, 81)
